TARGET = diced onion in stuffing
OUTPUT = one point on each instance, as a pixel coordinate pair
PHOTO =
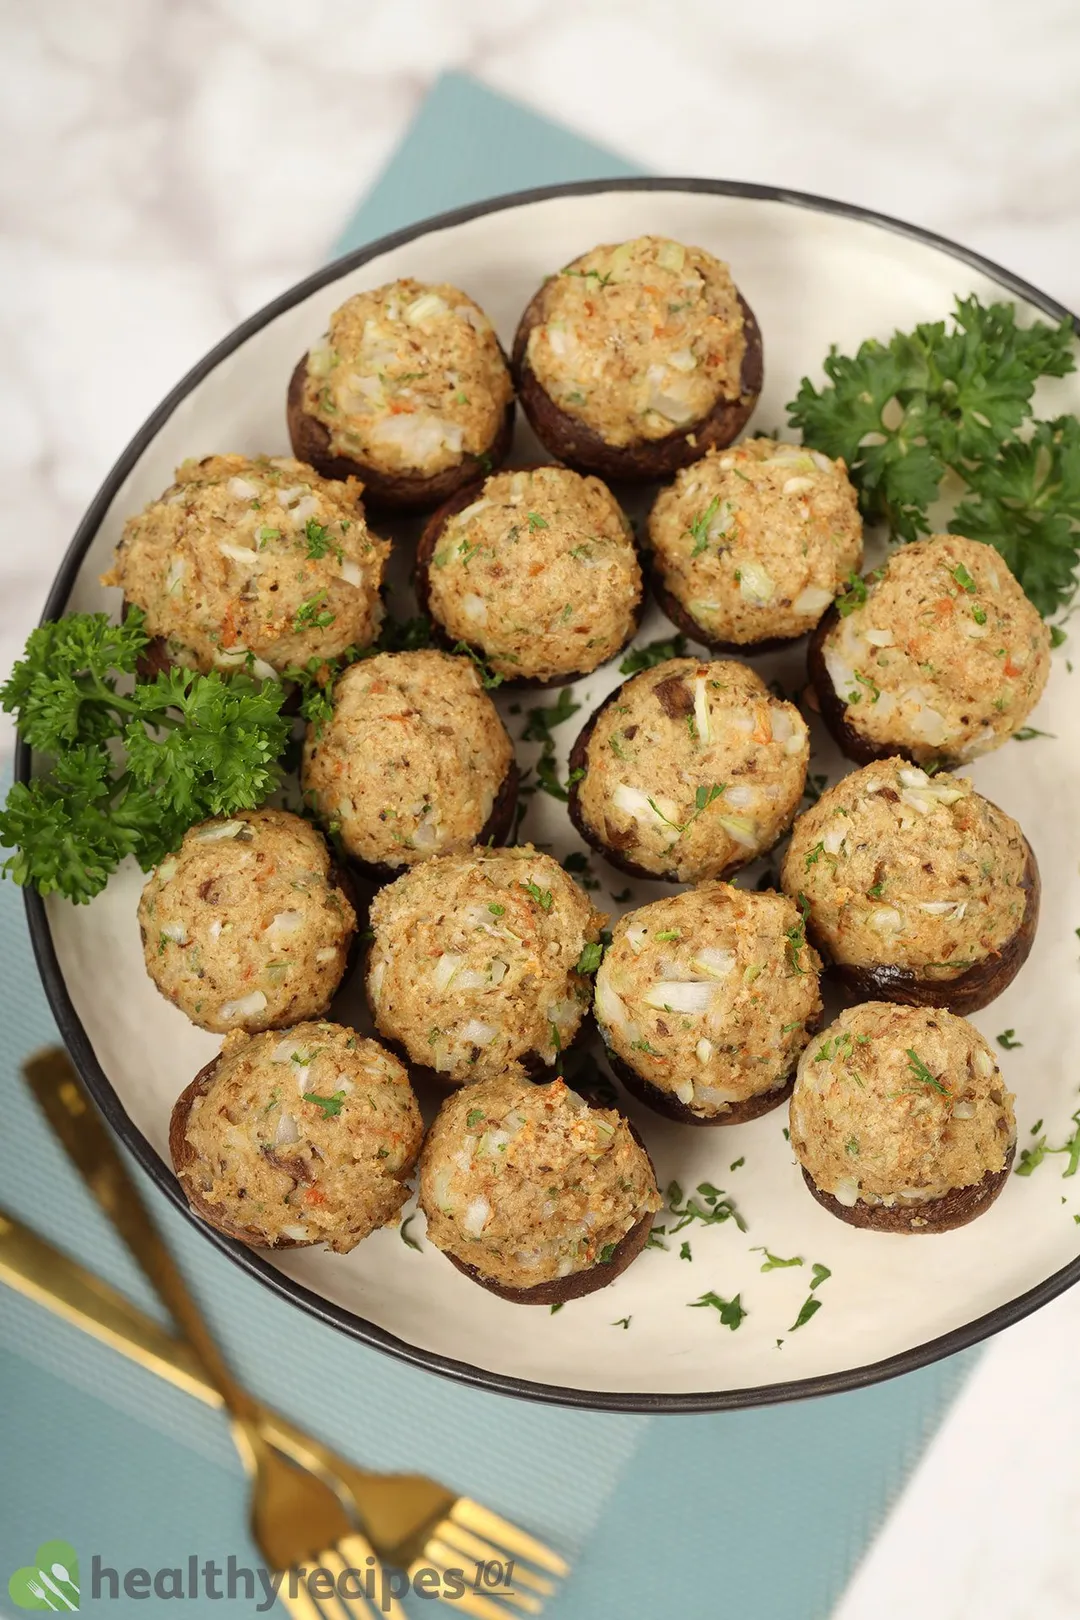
(846, 1192)
(429, 306)
(685, 1091)
(166, 870)
(833, 840)
(445, 968)
(286, 1131)
(327, 954)
(219, 829)
(686, 996)
(742, 830)
(426, 836)
(249, 1006)
(476, 1216)
(241, 554)
(963, 1110)
(984, 1063)
(498, 970)
(741, 796)
(612, 1010)
(491, 1143)
(879, 638)
(756, 584)
(285, 922)
(477, 1033)
(174, 578)
(243, 489)
(440, 1186)
(798, 486)
(298, 1233)
(655, 812)
(635, 937)
(671, 256)
(943, 908)
(715, 960)
(176, 931)
(375, 983)
(474, 607)
(813, 600)
(704, 1051)
(885, 920)
(682, 360)
(351, 572)
(713, 1096)
(822, 463)
(701, 710)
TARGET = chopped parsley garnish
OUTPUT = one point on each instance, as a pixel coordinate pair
(809, 1309)
(699, 529)
(268, 534)
(814, 855)
(473, 1117)
(331, 1106)
(536, 521)
(731, 1311)
(541, 896)
(557, 1307)
(1008, 1040)
(922, 1073)
(539, 728)
(738, 1164)
(1026, 733)
(1031, 1158)
(607, 1253)
(591, 957)
(410, 1242)
(774, 1262)
(711, 1207)
(311, 615)
(853, 597)
(489, 678)
(496, 910)
(623, 1322)
(979, 615)
(958, 397)
(819, 1274)
(684, 1250)
(963, 578)
(815, 787)
(319, 541)
(655, 652)
(795, 937)
(669, 933)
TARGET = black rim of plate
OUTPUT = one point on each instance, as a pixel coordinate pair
(75, 1036)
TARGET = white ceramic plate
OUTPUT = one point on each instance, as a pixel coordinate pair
(816, 273)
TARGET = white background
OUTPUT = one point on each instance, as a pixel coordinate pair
(168, 165)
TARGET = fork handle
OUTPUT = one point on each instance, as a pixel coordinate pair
(59, 1093)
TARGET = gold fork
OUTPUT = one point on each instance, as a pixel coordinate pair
(411, 1521)
(297, 1519)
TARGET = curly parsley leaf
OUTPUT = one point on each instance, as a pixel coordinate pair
(653, 653)
(193, 746)
(904, 412)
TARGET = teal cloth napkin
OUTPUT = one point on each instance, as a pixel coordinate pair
(759, 1515)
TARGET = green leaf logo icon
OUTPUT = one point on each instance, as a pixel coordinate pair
(51, 1583)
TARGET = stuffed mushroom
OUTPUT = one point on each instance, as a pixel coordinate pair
(253, 564)
(532, 1193)
(938, 656)
(478, 964)
(248, 925)
(413, 761)
(751, 544)
(295, 1138)
(705, 1001)
(688, 770)
(901, 1120)
(636, 358)
(918, 888)
(408, 389)
(535, 571)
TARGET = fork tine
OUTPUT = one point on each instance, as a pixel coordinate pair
(300, 1604)
(468, 1602)
(352, 1552)
(484, 1551)
(474, 1516)
(439, 1552)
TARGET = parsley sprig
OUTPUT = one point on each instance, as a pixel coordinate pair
(191, 746)
(904, 413)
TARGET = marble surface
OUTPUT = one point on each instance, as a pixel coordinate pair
(173, 164)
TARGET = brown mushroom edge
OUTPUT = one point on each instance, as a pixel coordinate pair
(956, 1208)
(668, 1105)
(645, 459)
(183, 1159)
(969, 991)
(310, 440)
(684, 620)
(495, 832)
(834, 712)
(578, 761)
(425, 551)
